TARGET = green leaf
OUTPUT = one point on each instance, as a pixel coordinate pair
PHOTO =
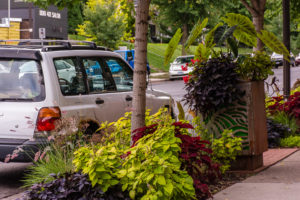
(209, 39)
(169, 188)
(181, 115)
(223, 33)
(161, 180)
(132, 194)
(122, 173)
(195, 33)
(149, 177)
(124, 186)
(100, 168)
(245, 38)
(106, 176)
(233, 46)
(242, 23)
(202, 52)
(172, 46)
(271, 41)
(244, 31)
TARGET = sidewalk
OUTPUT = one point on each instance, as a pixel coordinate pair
(157, 77)
(279, 182)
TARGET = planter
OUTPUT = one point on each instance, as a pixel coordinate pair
(247, 119)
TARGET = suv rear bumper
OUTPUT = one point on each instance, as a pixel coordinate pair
(24, 148)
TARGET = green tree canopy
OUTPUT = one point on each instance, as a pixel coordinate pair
(103, 23)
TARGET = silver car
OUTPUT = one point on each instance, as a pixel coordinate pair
(177, 67)
(40, 84)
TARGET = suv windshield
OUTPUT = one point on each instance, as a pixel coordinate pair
(20, 80)
(182, 60)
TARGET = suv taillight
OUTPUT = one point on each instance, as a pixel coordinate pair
(46, 118)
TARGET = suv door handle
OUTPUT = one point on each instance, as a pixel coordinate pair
(128, 98)
(99, 101)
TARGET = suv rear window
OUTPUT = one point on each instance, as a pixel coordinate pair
(21, 80)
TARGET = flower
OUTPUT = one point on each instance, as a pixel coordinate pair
(186, 78)
(184, 68)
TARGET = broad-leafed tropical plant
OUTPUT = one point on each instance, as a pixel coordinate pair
(195, 33)
(172, 46)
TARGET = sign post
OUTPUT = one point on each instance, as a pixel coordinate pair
(42, 34)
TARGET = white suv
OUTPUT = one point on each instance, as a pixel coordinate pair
(42, 83)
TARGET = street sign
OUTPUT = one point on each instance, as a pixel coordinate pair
(42, 33)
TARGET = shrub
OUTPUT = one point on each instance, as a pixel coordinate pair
(291, 141)
(225, 149)
(73, 186)
(100, 163)
(276, 131)
(286, 120)
(291, 106)
(256, 67)
(152, 169)
(195, 157)
(212, 85)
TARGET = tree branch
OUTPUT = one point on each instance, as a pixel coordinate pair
(249, 8)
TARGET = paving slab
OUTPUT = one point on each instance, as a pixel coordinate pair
(279, 182)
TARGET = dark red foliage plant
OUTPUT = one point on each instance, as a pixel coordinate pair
(291, 106)
(195, 157)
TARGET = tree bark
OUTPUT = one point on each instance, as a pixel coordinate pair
(257, 10)
(258, 22)
(140, 63)
(184, 38)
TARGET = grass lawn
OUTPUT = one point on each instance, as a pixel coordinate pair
(156, 54)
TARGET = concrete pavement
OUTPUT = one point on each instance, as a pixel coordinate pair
(279, 182)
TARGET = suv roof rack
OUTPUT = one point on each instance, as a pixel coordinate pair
(53, 45)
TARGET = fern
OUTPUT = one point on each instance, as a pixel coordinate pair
(244, 31)
(271, 41)
(209, 39)
(195, 33)
(172, 46)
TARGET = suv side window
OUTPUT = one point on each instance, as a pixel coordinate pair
(70, 76)
(121, 72)
(99, 77)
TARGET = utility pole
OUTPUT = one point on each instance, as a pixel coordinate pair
(30, 21)
(286, 41)
(8, 16)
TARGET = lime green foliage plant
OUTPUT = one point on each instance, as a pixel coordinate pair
(256, 67)
(152, 169)
(101, 164)
(291, 141)
(226, 149)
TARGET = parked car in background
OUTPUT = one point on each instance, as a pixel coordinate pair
(176, 69)
(297, 60)
(52, 80)
(128, 55)
(278, 59)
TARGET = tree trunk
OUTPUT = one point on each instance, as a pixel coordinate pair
(184, 38)
(140, 63)
(257, 10)
(258, 22)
